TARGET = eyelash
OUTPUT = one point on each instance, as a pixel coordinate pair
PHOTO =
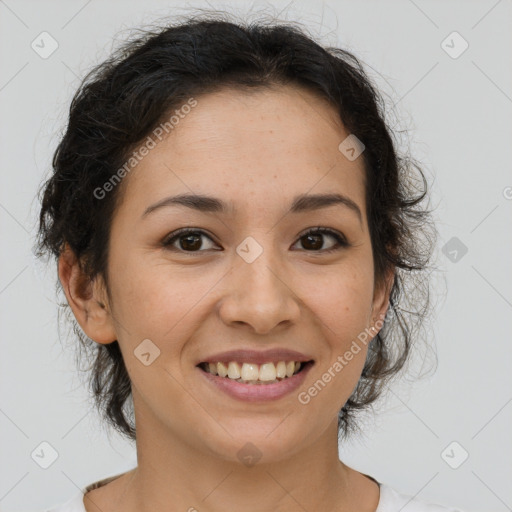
(340, 239)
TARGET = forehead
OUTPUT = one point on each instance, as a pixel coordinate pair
(258, 147)
(280, 121)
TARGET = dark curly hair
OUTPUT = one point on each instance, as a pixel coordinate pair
(120, 101)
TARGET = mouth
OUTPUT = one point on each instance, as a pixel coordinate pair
(271, 372)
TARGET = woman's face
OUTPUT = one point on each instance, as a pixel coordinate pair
(251, 279)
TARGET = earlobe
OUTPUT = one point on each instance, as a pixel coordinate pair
(86, 298)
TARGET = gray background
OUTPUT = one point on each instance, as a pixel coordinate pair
(458, 111)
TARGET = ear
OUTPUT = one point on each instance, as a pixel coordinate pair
(87, 299)
(380, 303)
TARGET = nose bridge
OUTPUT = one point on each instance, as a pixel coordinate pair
(260, 266)
(259, 295)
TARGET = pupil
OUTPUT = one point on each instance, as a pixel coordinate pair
(187, 239)
(316, 246)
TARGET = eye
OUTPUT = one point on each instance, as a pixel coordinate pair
(314, 239)
(189, 240)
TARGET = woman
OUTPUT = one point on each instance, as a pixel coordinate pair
(233, 229)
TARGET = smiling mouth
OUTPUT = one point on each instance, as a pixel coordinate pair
(249, 373)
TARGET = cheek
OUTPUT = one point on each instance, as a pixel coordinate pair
(158, 301)
(342, 301)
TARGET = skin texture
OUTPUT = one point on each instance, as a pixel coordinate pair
(262, 148)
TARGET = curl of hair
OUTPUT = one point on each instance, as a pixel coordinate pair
(120, 102)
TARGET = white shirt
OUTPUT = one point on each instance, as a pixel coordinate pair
(390, 501)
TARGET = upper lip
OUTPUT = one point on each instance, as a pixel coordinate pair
(256, 356)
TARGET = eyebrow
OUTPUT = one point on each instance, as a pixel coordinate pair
(301, 203)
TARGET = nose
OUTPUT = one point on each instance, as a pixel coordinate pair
(259, 295)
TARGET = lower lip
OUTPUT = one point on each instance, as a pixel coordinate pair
(257, 392)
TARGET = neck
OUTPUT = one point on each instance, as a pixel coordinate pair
(174, 475)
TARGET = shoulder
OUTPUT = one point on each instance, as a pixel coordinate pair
(394, 501)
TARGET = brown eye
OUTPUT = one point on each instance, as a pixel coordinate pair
(188, 240)
(313, 240)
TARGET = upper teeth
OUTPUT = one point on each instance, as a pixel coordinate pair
(251, 371)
